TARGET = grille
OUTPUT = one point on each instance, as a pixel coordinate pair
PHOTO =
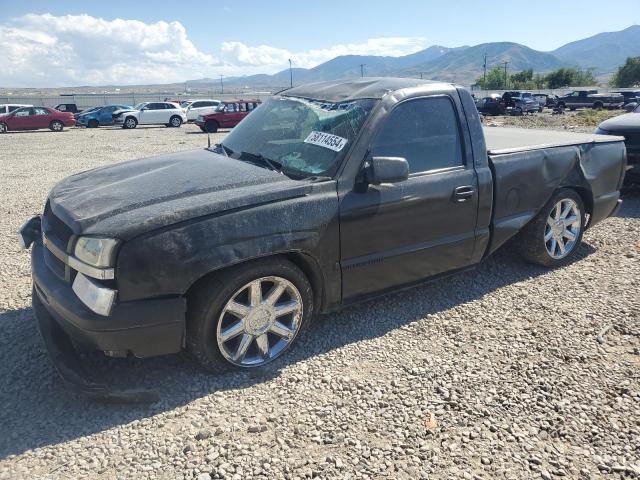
(55, 229)
(55, 264)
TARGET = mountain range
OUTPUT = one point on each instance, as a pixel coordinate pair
(603, 52)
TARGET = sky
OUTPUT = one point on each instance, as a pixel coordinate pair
(46, 43)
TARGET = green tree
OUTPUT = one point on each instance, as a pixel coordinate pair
(522, 79)
(494, 81)
(570, 77)
(628, 75)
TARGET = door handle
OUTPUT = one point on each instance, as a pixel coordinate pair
(462, 194)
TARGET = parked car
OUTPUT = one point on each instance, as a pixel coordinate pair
(201, 107)
(628, 126)
(492, 105)
(232, 250)
(151, 113)
(10, 107)
(99, 116)
(519, 103)
(227, 115)
(67, 107)
(631, 107)
(590, 99)
(35, 118)
(630, 96)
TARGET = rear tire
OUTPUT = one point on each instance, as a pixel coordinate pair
(92, 124)
(3, 128)
(56, 126)
(211, 126)
(213, 307)
(130, 122)
(175, 121)
(553, 237)
(598, 106)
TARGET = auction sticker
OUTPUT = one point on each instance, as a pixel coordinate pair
(326, 140)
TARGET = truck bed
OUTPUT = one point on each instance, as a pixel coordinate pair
(501, 140)
(529, 165)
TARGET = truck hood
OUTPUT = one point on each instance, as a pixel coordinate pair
(629, 122)
(132, 198)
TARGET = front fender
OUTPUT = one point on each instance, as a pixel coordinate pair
(169, 261)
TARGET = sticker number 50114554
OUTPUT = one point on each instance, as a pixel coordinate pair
(326, 140)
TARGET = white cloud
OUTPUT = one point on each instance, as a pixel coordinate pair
(47, 51)
(277, 58)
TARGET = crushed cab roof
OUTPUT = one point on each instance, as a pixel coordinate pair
(347, 90)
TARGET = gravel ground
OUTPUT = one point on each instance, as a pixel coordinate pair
(493, 373)
(577, 121)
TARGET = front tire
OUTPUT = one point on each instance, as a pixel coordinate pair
(552, 238)
(3, 128)
(130, 122)
(211, 126)
(175, 121)
(248, 315)
(92, 124)
(56, 126)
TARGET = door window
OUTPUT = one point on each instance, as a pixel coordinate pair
(40, 111)
(423, 131)
(23, 112)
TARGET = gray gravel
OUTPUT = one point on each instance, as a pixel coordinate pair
(494, 373)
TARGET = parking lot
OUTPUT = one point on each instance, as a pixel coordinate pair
(498, 372)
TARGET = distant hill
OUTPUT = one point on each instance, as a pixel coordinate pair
(604, 51)
(465, 66)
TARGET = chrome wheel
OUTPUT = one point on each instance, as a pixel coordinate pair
(259, 321)
(562, 228)
(56, 126)
(130, 123)
(3, 128)
(176, 122)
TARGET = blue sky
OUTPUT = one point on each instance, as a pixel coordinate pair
(177, 40)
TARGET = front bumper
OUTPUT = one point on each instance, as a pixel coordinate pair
(143, 328)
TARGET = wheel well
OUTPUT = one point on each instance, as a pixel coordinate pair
(586, 197)
(213, 121)
(130, 116)
(304, 262)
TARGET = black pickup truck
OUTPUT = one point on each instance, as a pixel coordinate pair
(326, 195)
(590, 99)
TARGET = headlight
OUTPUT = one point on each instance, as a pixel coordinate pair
(96, 251)
(200, 118)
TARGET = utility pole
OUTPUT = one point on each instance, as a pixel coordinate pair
(290, 74)
(362, 70)
(506, 83)
(420, 75)
(221, 85)
(484, 76)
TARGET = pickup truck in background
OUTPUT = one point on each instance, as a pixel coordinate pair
(327, 194)
(590, 99)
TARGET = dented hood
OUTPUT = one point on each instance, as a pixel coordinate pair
(132, 198)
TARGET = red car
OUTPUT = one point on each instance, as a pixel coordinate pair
(227, 115)
(35, 118)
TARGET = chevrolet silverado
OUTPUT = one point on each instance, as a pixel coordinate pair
(327, 194)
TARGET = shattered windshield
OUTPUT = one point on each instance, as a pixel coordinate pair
(302, 137)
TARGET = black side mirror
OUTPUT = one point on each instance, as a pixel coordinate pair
(386, 170)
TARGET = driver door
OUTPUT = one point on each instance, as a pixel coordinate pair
(401, 233)
(20, 119)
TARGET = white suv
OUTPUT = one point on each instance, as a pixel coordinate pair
(201, 107)
(10, 107)
(151, 113)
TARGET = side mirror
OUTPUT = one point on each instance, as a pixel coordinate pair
(386, 170)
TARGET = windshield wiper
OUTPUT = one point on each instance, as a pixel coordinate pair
(271, 164)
